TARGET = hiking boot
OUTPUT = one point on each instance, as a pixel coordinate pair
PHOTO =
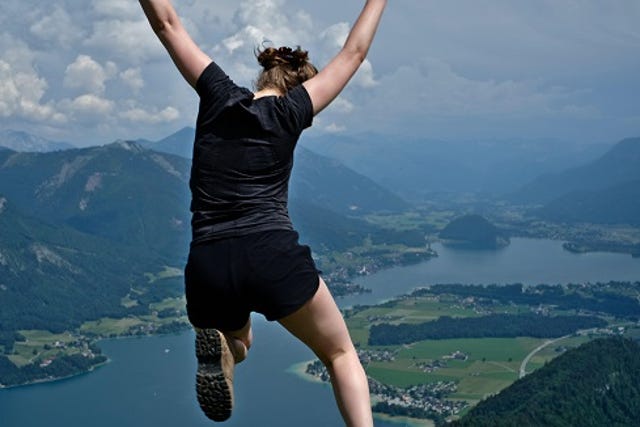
(214, 378)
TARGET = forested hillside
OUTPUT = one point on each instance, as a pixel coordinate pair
(83, 230)
(596, 384)
(53, 277)
(474, 231)
(120, 192)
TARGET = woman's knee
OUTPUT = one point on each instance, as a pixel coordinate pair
(338, 356)
(247, 340)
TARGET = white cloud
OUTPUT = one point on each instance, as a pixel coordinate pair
(132, 77)
(119, 9)
(509, 64)
(132, 41)
(335, 128)
(257, 22)
(89, 106)
(57, 28)
(139, 115)
(21, 88)
(335, 35)
(270, 18)
(341, 105)
(435, 89)
(87, 74)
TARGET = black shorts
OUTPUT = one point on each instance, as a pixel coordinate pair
(267, 272)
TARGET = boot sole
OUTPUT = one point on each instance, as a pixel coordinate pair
(213, 389)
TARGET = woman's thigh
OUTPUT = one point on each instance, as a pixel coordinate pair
(320, 325)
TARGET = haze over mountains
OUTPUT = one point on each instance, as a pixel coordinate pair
(22, 141)
(574, 182)
(415, 168)
(619, 165)
(606, 190)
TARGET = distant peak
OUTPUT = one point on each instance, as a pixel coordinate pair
(129, 146)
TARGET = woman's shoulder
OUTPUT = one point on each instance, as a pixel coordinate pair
(215, 82)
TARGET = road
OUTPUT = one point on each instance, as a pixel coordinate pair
(523, 365)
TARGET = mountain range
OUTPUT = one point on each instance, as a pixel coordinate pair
(416, 168)
(23, 141)
(606, 190)
(74, 219)
(323, 181)
(619, 165)
(82, 229)
(120, 192)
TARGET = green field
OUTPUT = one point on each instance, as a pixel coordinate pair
(491, 363)
(169, 303)
(40, 345)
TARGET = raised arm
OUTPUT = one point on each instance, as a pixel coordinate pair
(329, 82)
(188, 57)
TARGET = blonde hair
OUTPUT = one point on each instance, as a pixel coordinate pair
(283, 68)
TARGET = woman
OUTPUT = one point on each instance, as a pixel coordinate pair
(245, 254)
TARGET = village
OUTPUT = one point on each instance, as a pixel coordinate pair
(423, 399)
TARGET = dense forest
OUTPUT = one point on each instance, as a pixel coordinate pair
(407, 411)
(493, 325)
(595, 385)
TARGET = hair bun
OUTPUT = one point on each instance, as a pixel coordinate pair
(272, 57)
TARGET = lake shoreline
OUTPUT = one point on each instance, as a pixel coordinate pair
(300, 370)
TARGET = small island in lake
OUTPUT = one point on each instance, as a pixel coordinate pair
(473, 232)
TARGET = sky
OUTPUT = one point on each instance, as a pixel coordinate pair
(92, 71)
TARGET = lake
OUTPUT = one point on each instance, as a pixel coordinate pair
(149, 381)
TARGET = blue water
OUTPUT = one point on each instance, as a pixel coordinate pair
(149, 381)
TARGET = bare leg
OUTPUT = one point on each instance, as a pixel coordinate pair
(319, 324)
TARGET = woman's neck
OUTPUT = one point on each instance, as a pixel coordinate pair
(267, 92)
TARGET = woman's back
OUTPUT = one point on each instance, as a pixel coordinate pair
(243, 155)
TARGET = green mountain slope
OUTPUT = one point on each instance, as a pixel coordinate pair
(594, 385)
(80, 228)
(324, 229)
(120, 191)
(53, 277)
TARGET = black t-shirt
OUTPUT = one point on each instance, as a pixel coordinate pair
(242, 157)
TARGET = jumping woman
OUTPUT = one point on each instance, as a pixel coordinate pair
(244, 255)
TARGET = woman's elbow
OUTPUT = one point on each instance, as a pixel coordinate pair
(162, 27)
(356, 55)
